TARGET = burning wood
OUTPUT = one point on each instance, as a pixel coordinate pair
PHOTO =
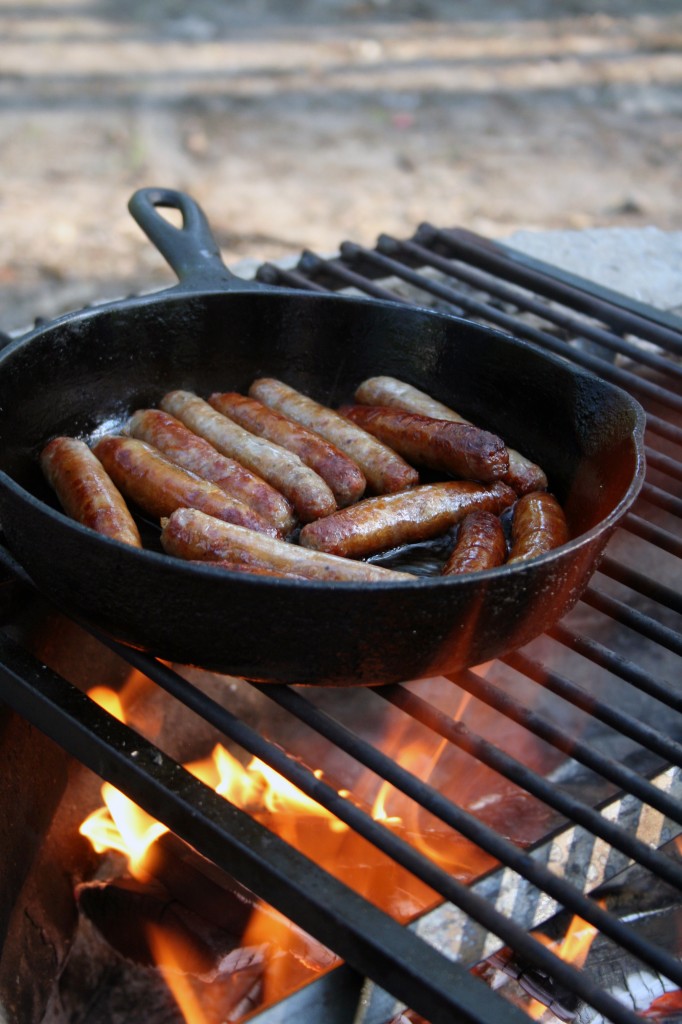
(126, 911)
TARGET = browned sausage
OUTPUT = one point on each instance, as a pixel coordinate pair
(523, 475)
(303, 487)
(457, 448)
(377, 524)
(481, 544)
(193, 535)
(384, 470)
(341, 473)
(86, 491)
(195, 454)
(254, 570)
(539, 524)
(159, 487)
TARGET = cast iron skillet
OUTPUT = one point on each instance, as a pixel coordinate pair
(84, 373)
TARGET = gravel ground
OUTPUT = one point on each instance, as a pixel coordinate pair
(299, 124)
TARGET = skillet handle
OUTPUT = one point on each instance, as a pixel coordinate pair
(191, 250)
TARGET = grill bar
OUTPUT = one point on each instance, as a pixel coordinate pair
(615, 663)
(329, 910)
(365, 938)
(626, 724)
(486, 312)
(622, 313)
(617, 773)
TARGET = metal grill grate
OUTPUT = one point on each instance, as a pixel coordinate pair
(611, 669)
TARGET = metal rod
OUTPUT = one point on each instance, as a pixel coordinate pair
(621, 775)
(364, 937)
(618, 665)
(530, 304)
(626, 379)
(548, 281)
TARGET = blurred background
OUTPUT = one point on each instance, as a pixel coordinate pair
(299, 123)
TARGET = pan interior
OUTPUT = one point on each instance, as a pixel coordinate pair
(85, 374)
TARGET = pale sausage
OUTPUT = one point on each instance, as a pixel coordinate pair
(384, 470)
(197, 455)
(305, 489)
(345, 479)
(192, 535)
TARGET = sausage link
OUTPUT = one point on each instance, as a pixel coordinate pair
(85, 490)
(399, 395)
(377, 524)
(539, 524)
(384, 470)
(481, 544)
(159, 487)
(195, 454)
(523, 475)
(190, 534)
(345, 479)
(460, 449)
(305, 489)
(253, 570)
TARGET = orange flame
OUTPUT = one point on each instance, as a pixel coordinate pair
(573, 949)
(168, 956)
(310, 828)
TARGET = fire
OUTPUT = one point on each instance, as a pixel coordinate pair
(168, 956)
(573, 949)
(307, 826)
(122, 825)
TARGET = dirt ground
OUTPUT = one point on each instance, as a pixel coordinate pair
(297, 124)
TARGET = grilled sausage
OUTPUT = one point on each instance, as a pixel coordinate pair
(523, 475)
(86, 491)
(460, 449)
(377, 524)
(345, 479)
(191, 534)
(305, 489)
(481, 544)
(539, 524)
(195, 454)
(384, 470)
(253, 570)
(159, 487)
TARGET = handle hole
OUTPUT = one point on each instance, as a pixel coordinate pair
(172, 215)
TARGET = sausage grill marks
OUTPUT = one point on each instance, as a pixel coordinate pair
(230, 477)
